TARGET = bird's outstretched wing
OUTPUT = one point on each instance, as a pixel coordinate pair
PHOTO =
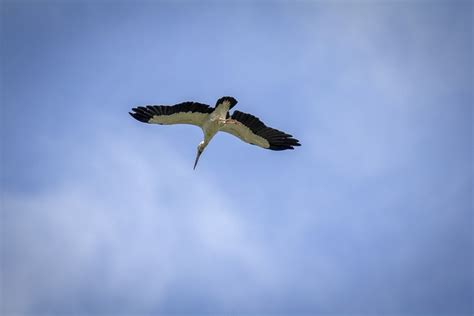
(253, 131)
(193, 113)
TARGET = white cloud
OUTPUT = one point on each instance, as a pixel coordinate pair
(134, 228)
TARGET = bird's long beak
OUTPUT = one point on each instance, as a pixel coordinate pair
(197, 159)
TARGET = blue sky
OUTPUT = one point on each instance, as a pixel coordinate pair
(101, 214)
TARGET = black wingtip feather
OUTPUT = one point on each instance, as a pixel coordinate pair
(289, 143)
(139, 117)
(278, 140)
(146, 113)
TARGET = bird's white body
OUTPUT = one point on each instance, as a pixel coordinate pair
(212, 120)
(215, 121)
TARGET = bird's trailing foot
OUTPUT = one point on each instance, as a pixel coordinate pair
(227, 121)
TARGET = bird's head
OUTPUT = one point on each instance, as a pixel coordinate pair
(200, 149)
(232, 101)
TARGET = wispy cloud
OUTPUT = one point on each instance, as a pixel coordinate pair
(102, 214)
(127, 230)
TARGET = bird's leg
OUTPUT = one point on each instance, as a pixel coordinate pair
(229, 121)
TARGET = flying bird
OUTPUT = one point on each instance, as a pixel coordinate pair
(214, 119)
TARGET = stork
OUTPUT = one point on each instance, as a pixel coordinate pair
(213, 119)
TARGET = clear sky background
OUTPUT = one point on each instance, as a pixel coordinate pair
(101, 214)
